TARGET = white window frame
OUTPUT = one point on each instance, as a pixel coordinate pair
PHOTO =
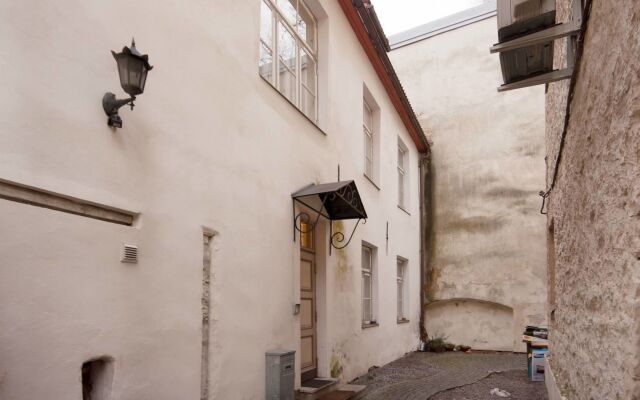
(403, 176)
(277, 16)
(367, 127)
(371, 137)
(401, 287)
(369, 270)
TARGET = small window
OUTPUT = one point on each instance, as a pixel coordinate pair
(288, 53)
(371, 137)
(403, 181)
(401, 283)
(368, 285)
(368, 140)
(306, 236)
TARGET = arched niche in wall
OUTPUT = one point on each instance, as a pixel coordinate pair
(481, 324)
(97, 378)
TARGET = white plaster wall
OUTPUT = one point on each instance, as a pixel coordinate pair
(487, 168)
(208, 144)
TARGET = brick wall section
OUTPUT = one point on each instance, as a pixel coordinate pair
(595, 210)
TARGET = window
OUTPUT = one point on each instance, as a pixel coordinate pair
(368, 285)
(402, 292)
(288, 54)
(403, 182)
(306, 236)
(371, 136)
(368, 139)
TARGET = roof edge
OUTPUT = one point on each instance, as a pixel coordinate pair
(366, 25)
(442, 25)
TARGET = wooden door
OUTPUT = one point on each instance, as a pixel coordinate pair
(308, 337)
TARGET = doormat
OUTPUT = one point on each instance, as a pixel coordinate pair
(316, 383)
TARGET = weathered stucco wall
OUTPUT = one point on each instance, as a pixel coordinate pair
(487, 167)
(488, 324)
(594, 210)
(209, 144)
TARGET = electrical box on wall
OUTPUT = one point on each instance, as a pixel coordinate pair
(280, 375)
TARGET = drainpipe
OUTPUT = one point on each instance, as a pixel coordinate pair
(425, 239)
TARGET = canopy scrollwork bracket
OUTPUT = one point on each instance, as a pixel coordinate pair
(337, 238)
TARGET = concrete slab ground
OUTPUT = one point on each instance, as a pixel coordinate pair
(451, 376)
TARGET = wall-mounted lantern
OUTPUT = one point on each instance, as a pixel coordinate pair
(132, 68)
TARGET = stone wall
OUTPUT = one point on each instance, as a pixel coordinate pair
(594, 210)
(489, 245)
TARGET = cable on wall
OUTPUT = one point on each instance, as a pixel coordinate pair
(567, 115)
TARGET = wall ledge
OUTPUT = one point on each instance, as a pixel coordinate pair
(553, 391)
(468, 299)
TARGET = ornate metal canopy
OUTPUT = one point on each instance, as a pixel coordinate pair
(334, 201)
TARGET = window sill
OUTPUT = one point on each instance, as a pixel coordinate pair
(371, 180)
(371, 325)
(403, 321)
(315, 125)
(402, 208)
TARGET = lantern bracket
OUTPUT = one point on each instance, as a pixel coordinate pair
(111, 105)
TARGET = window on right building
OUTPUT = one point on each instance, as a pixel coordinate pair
(403, 176)
(402, 290)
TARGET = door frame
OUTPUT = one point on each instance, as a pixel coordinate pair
(322, 346)
(308, 293)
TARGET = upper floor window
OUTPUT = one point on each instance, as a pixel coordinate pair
(367, 126)
(288, 52)
(371, 136)
(403, 181)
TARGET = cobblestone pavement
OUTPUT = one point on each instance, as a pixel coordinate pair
(419, 376)
(514, 382)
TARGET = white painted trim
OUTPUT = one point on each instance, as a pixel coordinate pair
(442, 25)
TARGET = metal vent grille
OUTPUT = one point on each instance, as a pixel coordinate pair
(130, 254)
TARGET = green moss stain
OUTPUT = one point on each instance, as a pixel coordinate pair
(336, 365)
(342, 261)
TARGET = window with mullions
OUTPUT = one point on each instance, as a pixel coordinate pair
(403, 184)
(368, 285)
(401, 289)
(367, 127)
(288, 52)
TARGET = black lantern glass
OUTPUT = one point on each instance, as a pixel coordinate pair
(132, 69)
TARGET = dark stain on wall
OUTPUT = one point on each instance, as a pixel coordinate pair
(509, 192)
(476, 224)
(434, 276)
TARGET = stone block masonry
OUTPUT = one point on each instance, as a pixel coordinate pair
(594, 210)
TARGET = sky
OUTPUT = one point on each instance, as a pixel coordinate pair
(399, 15)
